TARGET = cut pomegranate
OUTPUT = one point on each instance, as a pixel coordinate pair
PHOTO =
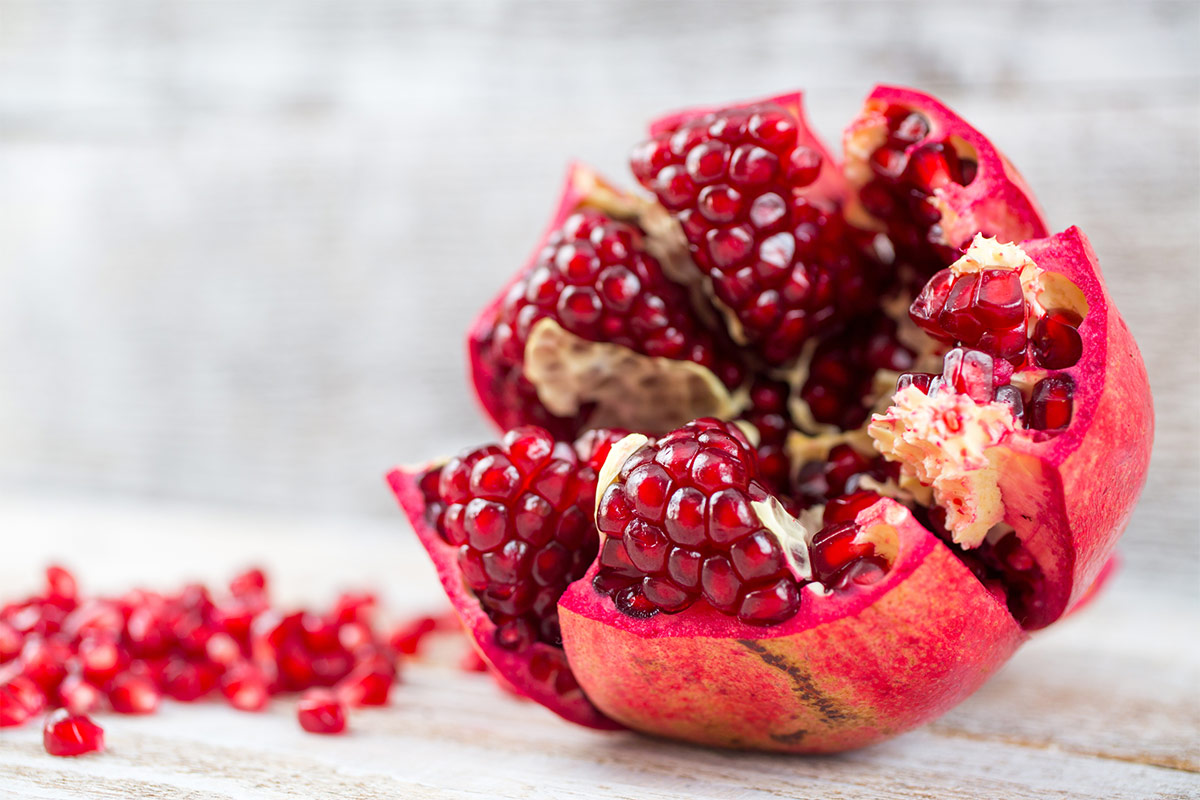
(68, 734)
(320, 711)
(889, 471)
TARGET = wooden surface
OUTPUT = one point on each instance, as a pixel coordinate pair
(1104, 705)
(240, 241)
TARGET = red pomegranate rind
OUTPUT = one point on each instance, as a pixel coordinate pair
(997, 202)
(1069, 494)
(851, 668)
(511, 667)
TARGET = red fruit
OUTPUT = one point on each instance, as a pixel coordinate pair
(68, 734)
(876, 574)
(594, 292)
(319, 711)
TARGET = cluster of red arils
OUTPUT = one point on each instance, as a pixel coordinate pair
(77, 655)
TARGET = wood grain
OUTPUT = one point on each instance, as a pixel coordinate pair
(1102, 705)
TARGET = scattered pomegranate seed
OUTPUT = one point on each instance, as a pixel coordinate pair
(132, 650)
(68, 734)
(320, 711)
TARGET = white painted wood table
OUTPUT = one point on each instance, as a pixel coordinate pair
(1104, 705)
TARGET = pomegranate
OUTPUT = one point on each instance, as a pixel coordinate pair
(868, 406)
(71, 734)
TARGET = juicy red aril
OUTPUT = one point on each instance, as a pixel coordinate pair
(67, 734)
(921, 380)
(970, 372)
(368, 684)
(20, 699)
(1056, 341)
(245, 686)
(133, 694)
(846, 507)
(596, 280)
(1052, 402)
(834, 549)
(710, 545)
(534, 535)
(908, 170)
(76, 694)
(320, 711)
(984, 310)
(735, 179)
(770, 416)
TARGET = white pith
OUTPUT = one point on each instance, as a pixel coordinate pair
(630, 390)
(948, 443)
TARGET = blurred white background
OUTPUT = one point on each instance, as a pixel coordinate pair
(240, 241)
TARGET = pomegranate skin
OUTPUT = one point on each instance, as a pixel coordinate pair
(850, 669)
(511, 669)
(1069, 495)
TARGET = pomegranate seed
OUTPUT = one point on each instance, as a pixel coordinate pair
(11, 642)
(131, 693)
(320, 711)
(67, 734)
(772, 604)
(407, 638)
(1052, 403)
(61, 588)
(368, 684)
(833, 550)
(44, 662)
(1056, 340)
(245, 687)
(847, 507)
(250, 583)
(970, 372)
(1011, 397)
(921, 380)
(76, 694)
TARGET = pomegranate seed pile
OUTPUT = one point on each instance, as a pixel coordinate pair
(77, 654)
(681, 527)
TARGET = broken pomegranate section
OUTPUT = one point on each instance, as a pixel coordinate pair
(593, 332)
(510, 526)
